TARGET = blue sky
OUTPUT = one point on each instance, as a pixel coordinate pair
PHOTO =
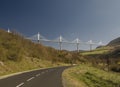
(97, 20)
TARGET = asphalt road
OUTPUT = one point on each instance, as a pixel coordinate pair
(51, 77)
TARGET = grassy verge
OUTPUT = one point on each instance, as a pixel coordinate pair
(88, 76)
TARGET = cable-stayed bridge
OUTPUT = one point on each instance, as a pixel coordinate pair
(60, 40)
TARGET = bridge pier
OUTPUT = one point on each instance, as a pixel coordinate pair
(90, 47)
(60, 42)
(38, 37)
(77, 47)
(60, 45)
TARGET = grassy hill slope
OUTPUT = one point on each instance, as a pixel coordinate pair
(106, 58)
(114, 42)
(19, 54)
(14, 47)
(100, 69)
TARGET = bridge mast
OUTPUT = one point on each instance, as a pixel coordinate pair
(8, 30)
(60, 42)
(77, 43)
(90, 43)
(38, 37)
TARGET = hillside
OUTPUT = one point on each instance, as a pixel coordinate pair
(100, 69)
(106, 57)
(114, 42)
(19, 54)
(14, 47)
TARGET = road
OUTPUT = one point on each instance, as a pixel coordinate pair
(51, 77)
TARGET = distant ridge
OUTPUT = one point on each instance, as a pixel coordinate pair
(114, 42)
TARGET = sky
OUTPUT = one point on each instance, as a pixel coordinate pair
(97, 20)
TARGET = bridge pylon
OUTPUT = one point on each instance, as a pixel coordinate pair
(60, 42)
(38, 37)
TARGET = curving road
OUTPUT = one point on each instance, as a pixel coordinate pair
(40, 78)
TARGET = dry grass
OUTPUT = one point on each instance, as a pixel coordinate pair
(10, 67)
(69, 81)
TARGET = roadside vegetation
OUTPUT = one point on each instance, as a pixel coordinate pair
(86, 75)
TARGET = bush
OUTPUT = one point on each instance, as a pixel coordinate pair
(115, 68)
(14, 54)
(2, 54)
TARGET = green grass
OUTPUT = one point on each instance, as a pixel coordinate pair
(101, 50)
(88, 76)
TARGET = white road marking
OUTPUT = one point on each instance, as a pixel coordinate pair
(20, 84)
(30, 78)
(37, 75)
